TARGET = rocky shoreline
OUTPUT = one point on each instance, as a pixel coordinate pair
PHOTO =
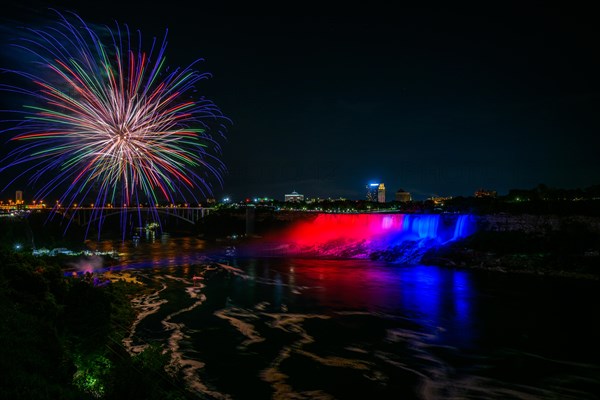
(545, 245)
(580, 266)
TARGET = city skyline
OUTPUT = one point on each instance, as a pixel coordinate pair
(438, 101)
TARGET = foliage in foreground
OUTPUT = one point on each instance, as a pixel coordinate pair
(61, 338)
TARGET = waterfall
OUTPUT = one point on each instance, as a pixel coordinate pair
(403, 237)
(462, 227)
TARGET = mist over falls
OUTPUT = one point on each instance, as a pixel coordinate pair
(402, 238)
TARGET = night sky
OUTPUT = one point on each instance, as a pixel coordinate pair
(436, 101)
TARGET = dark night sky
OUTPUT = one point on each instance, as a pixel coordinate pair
(434, 100)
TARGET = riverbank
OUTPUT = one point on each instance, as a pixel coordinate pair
(567, 254)
(541, 265)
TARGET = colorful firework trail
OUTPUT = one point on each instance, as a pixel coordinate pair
(110, 122)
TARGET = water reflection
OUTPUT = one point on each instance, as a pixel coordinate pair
(366, 327)
(436, 298)
(156, 254)
(441, 299)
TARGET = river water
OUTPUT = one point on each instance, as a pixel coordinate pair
(259, 328)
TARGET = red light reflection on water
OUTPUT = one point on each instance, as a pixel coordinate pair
(428, 295)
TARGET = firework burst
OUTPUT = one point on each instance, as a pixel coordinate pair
(110, 123)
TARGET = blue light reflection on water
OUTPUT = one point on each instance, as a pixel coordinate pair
(438, 299)
(428, 308)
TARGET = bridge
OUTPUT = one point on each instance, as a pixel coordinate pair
(89, 215)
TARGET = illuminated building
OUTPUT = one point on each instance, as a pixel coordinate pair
(439, 200)
(372, 191)
(381, 193)
(294, 196)
(19, 197)
(485, 193)
(403, 196)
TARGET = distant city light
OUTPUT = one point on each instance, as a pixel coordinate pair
(293, 197)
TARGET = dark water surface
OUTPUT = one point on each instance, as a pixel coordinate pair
(298, 328)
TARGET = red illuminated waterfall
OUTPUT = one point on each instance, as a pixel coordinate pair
(362, 235)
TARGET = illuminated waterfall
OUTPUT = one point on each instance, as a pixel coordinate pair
(400, 237)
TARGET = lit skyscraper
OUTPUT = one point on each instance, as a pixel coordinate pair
(372, 191)
(381, 193)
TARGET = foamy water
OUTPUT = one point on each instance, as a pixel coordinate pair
(306, 329)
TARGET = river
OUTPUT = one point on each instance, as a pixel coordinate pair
(258, 328)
